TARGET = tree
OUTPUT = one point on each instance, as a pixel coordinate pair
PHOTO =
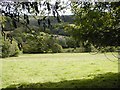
(97, 24)
(20, 13)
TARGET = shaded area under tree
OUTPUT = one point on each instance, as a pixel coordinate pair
(107, 80)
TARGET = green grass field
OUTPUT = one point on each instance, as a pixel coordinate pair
(62, 70)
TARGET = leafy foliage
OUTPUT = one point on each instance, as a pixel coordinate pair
(56, 48)
(8, 49)
(97, 24)
(42, 43)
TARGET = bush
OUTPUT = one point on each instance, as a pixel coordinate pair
(56, 48)
(68, 50)
(14, 50)
(67, 42)
(32, 45)
(43, 43)
(61, 41)
(109, 49)
(74, 50)
(5, 49)
(9, 50)
(71, 43)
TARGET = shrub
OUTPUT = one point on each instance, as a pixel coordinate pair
(108, 49)
(41, 43)
(31, 45)
(14, 50)
(74, 50)
(56, 48)
(68, 50)
(26, 48)
(66, 42)
(71, 43)
(38, 44)
(8, 49)
(5, 49)
(79, 50)
(62, 41)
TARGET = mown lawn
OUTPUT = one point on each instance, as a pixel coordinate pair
(59, 71)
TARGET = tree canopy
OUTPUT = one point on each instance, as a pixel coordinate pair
(97, 23)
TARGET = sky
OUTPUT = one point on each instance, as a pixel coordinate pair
(66, 11)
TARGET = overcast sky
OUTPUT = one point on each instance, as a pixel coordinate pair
(66, 11)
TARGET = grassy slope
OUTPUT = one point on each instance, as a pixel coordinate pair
(62, 70)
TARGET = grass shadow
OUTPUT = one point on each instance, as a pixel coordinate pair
(107, 80)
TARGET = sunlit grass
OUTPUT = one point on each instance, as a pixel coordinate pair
(34, 68)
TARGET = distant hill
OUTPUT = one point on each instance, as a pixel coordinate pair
(66, 19)
(34, 24)
(53, 20)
